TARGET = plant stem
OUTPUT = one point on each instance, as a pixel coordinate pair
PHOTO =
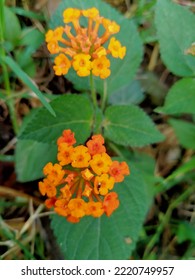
(5, 72)
(165, 219)
(105, 94)
(93, 93)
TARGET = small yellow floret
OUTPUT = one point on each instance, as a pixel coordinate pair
(82, 64)
(100, 67)
(80, 157)
(71, 15)
(91, 13)
(101, 163)
(116, 49)
(62, 65)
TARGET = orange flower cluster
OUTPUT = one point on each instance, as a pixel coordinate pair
(82, 181)
(84, 50)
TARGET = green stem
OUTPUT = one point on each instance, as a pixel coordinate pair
(6, 73)
(164, 220)
(93, 93)
(105, 95)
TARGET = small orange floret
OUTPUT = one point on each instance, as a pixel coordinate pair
(67, 137)
(62, 65)
(72, 219)
(111, 26)
(54, 173)
(47, 188)
(53, 47)
(110, 203)
(82, 64)
(54, 35)
(94, 209)
(64, 154)
(50, 202)
(95, 145)
(116, 49)
(119, 170)
(66, 193)
(100, 67)
(87, 175)
(80, 157)
(103, 184)
(77, 207)
(99, 52)
(70, 178)
(61, 207)
(101, 163)
(87, 190)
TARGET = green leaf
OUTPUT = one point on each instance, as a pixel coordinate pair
(146, 165)
(25, 61)
(32, 38)
(122, 71)
(185, 232)
(129, 125)
(7, 158)
(129, 94)
(182, 170)
(27, 13)
(180, 98)
(72, 112)
(30, 154)
(26, 79)
(185, 133)
(12, 28)
(175, 28)
(154, 88)
(110, 238)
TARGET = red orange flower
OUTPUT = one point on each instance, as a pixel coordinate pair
(95, 145)
(67, 137)
(119, 170)
(110, 203)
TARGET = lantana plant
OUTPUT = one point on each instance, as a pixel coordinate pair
(93, 173)
(98, 193)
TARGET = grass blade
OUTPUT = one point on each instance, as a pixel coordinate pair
(26, 80)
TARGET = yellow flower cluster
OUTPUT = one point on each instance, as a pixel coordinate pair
(80, 183)
(84, 51)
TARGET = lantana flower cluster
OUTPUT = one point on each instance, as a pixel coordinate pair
(81, 183)
(83, 48)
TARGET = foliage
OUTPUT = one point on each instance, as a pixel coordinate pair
(116, 108)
